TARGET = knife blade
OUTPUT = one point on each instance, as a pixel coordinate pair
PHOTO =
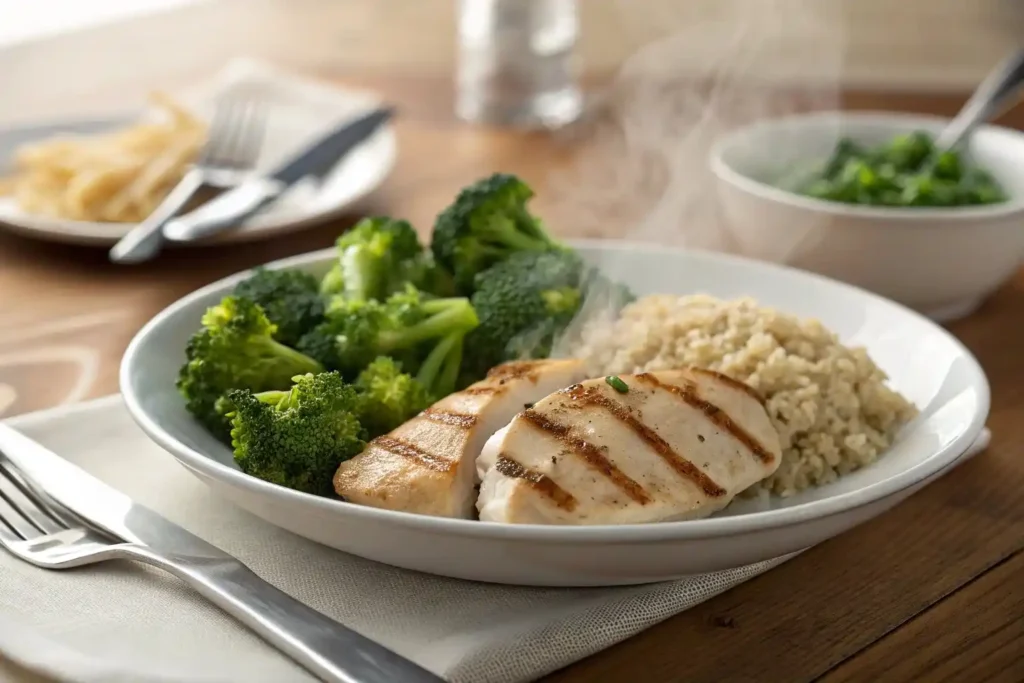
(234, 207)
(97, 503)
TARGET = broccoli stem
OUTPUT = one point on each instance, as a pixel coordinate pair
(274, 397)
(449, 376)
(440, 370)
(363, 276)
(533, 226)
(302, 363)
(508, 232)
(446, 315)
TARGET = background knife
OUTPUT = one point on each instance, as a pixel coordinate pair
(232, 208)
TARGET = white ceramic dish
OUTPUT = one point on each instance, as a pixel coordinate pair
(926, 364)
(355, 176)
(943, 262)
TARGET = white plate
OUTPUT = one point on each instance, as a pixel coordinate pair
(926, 364)
(355, 175)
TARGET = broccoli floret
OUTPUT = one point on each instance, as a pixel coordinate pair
(358, 331)
(523, 303)
(389, 396)
(378, 257)
(290, 298)
(298, 437)
(235, 349)
(487, 222)
(372, 257)
(423, 273)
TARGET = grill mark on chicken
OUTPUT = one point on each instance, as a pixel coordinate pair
(682, 466)
(483, 390)
(506, 372)
(590, 453)
(413, 452)
(539, 481)
(447, 417)
(719, 417)
(735, 384)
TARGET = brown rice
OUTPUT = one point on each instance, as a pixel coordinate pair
(830, 403)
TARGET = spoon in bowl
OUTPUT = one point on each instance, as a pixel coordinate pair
(995, 94)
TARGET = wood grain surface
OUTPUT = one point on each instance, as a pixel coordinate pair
(932, 591)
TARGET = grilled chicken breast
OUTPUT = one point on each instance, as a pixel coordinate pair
(677, 445)
(425, 465)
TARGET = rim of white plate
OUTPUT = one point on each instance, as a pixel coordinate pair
(635, 533)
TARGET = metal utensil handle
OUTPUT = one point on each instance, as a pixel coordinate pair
(334, 653)
(143, 241)
(995, 94)
(230, 210)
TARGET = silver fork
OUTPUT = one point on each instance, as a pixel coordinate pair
(232, 147)
(38, 529)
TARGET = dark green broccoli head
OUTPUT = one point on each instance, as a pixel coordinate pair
(423, 273)
(290, 298)
(523, 303)
(389, 396)
(488, 222)
(358, 331)
(346, 341)
(235, 349)
(297, 438)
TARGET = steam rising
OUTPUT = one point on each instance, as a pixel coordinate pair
(642, 173)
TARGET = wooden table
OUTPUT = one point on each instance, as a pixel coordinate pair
(932, 591)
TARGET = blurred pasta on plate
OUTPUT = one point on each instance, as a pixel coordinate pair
(118, 176)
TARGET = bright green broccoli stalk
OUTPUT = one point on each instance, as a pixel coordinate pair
(235, 349)
(333, 283)
(370, 252)
(290, 298)
(389, 396)
(405, 326)
(298, 437)
(488, 222)
(523, 303)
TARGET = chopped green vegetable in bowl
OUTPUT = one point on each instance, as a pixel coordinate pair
(906, 171)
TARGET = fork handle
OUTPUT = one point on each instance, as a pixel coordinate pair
(334, 653)
(143, 241)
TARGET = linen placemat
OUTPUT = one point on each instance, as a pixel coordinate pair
(124, 622)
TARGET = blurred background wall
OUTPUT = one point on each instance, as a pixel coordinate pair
(100, 54)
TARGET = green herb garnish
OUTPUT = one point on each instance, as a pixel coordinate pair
(617, 384)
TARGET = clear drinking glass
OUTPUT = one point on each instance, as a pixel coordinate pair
(516, 62)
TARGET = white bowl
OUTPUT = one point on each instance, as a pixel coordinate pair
(926, 363)
(941, 261)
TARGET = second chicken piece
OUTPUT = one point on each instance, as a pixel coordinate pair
(652, 447)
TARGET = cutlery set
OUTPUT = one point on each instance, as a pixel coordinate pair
(227, 163)
(56, 516)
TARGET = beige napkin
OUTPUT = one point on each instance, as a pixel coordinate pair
(123, 622)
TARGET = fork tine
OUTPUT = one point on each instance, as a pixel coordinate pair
(254, 132)
(222, 128)
(29, 505)
(235, 148)
(14, 521)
